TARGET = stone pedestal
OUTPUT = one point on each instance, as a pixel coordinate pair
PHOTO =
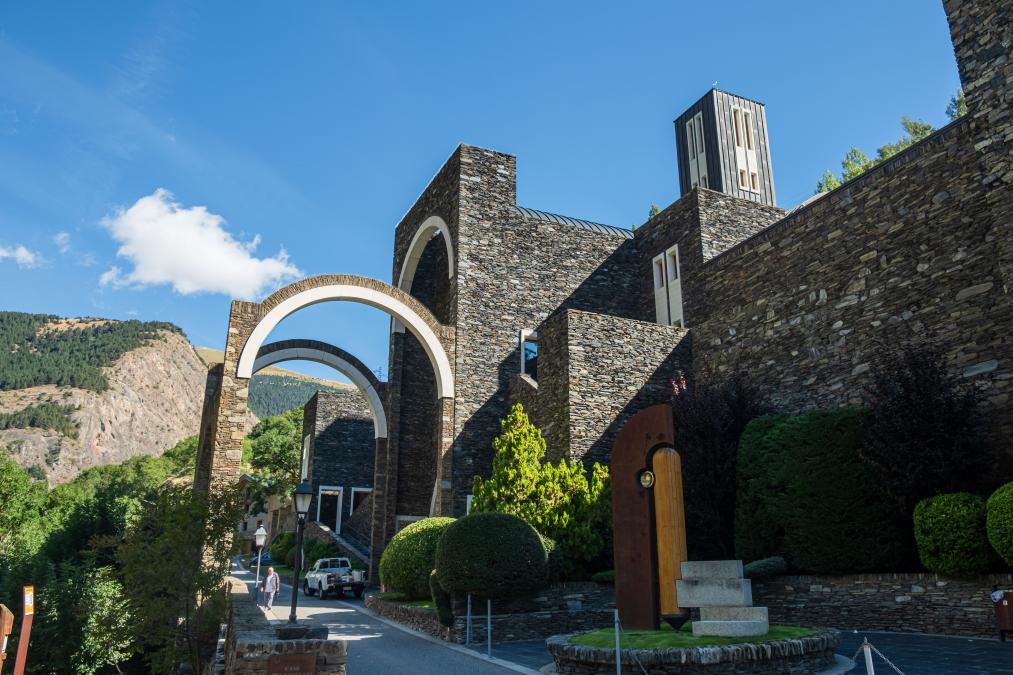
(724, 597)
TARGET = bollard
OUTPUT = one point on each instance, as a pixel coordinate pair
(867, 648)
(467, 628)
(619, 664)
(488, 628)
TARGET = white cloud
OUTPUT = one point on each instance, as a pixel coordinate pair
(189, 248)
(22, 256)
(62, 241)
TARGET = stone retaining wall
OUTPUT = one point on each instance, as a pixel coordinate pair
(420, 618)
(921, 603)
(800, 656)
(251, 642)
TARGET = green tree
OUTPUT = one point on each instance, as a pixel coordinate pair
(957, 106)
(654, 211)
(559, 500)
(173, 573)
(21, 498)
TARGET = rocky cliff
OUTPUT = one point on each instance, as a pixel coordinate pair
(152, 402)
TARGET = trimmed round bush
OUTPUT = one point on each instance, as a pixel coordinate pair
(951, 537)
(553, 559)
(766, 568)
(999, 522)
(410, 557)
(491, 555)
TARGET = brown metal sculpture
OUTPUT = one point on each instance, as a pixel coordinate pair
(649, 520)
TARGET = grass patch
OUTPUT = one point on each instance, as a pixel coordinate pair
(394, 596)
(667, 637)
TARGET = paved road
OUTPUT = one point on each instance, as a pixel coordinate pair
(931, 654)
(376, 648)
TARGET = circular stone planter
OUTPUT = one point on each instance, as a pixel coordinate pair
(797, 656)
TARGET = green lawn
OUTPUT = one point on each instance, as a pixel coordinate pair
(666, 637)
(394, 596)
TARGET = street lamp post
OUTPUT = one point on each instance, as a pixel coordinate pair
(261, 538)
(302, 497)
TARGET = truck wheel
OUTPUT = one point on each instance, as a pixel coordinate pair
(306, 589)
(322, 591)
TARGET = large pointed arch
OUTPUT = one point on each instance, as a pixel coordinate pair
(337, 358)
(429, 228)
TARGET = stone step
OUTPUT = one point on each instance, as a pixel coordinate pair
(731, 628)
(714, 592)
(712, 569)
(733, 614)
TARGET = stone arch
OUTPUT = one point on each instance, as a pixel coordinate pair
(429, 228)
(337, 358)
(405, 309)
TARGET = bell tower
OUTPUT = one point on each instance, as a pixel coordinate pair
(721, 144)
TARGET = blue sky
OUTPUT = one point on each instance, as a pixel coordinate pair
(291, 138)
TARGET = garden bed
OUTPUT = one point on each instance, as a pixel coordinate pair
(786, 650)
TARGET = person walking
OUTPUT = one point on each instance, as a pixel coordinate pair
(271, 585)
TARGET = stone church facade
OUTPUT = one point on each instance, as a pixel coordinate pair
(721, 281)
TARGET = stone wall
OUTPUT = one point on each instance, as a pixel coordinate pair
(920, 603)
(342, 444)
(906, 250)
(560, 608)
(419, 618)
(251, 643)
(800, 656)
(594, 372)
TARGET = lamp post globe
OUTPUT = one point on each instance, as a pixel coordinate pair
(301, 499)
(260, 536)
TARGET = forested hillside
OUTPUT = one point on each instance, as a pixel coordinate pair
(274, 394)
(38, 349)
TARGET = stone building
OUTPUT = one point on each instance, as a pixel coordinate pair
(585, 323)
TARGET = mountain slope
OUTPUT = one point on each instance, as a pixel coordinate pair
(151, 399)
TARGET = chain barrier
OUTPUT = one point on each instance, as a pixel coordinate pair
(868, 644)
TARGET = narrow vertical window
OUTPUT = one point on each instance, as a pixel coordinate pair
(742, 179)
(699, 134)
(747, 118)
(659, 273)
(738, 127)
(691, 139)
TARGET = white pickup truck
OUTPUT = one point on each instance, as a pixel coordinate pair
(333, 575)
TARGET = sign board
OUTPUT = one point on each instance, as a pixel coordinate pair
(292, 664)
(29, 600)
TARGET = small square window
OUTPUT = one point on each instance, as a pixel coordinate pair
(703, 181)
(742, 179)
(754, 182)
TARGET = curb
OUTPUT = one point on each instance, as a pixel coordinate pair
(503, 663)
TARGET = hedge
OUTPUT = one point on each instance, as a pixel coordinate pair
(410, 557)
(281, 545)
(950, 533)
(765, 568)
(806, 495)
(491, 555)
(999, 522)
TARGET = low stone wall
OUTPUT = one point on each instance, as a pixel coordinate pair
(251, 643)
(419, 618)
(800, 656)
(920, 603)
(560, 608)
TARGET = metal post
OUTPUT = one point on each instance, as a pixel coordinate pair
(467, 630)
(488, 628)
(867, 648)
(298, 565)
(619, 661)
(256, 584)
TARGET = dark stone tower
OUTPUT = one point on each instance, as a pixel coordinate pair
(721, 143)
